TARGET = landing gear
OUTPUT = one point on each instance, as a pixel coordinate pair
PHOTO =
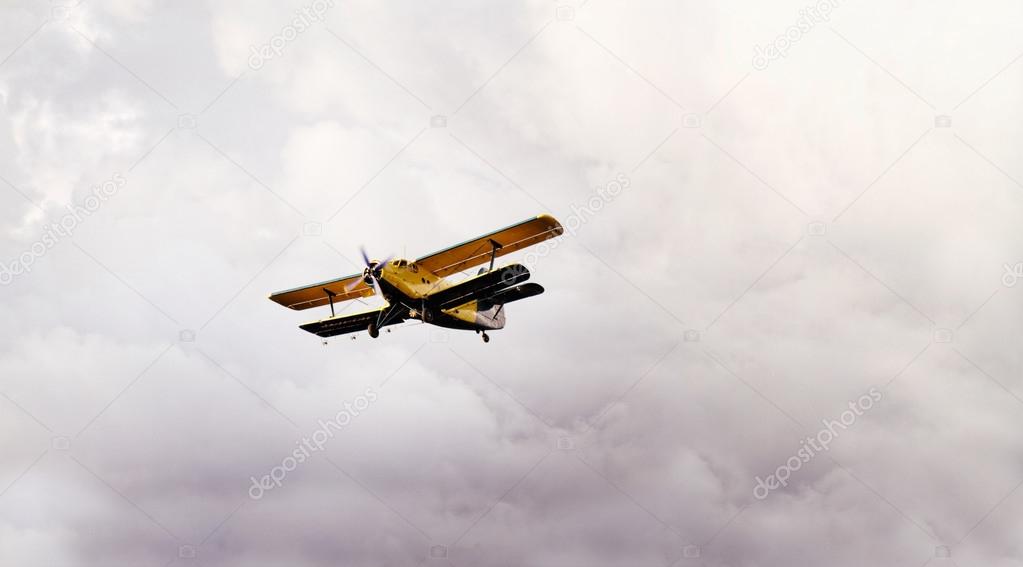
(373, 330)
(486, 338)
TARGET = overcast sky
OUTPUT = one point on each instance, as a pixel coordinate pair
(816, 243)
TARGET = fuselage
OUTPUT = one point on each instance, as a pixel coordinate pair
(403, 282)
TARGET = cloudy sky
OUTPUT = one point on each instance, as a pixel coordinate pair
(819, 243)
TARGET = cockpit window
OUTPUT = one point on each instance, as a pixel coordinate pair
(402, 263)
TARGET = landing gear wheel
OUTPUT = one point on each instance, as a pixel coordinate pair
(486, 338)
(373, 330)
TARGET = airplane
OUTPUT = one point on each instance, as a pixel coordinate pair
(420, 289)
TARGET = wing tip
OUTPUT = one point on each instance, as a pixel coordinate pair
(276, 298)
(555, 225)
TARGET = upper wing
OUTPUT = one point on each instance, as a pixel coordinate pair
(478, 250)
(316, 295)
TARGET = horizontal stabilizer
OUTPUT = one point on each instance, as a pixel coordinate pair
(516, 293)
(481, 286)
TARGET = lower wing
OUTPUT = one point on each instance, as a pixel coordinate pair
(342, 325)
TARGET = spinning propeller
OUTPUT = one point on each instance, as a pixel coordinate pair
(371, 272)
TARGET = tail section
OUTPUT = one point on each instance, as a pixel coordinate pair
(488, 313)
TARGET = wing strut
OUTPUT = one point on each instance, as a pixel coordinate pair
(330, 298)
(493, 253)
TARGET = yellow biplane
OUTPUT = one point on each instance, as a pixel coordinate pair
(419, 289)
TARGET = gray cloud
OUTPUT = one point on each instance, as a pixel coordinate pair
(791, 237)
